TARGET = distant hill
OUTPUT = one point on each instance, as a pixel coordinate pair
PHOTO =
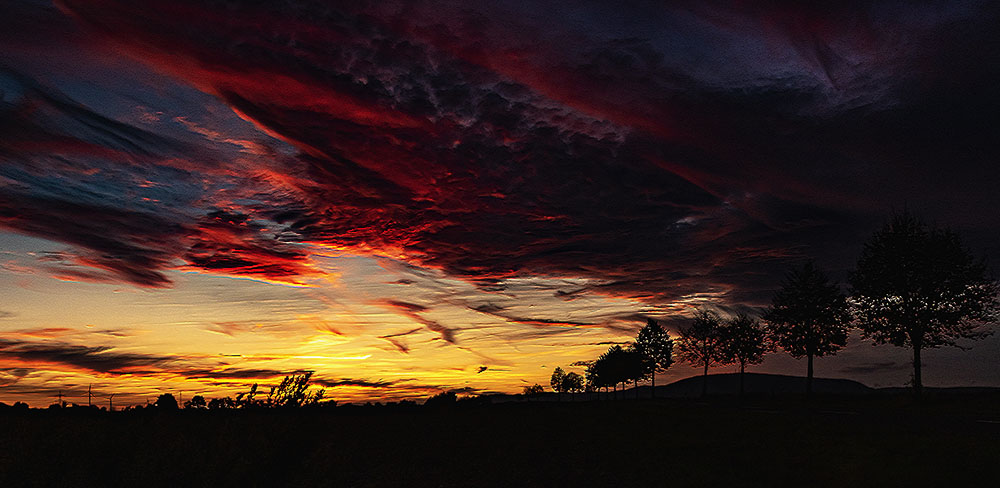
(719, 384)
(757, 383)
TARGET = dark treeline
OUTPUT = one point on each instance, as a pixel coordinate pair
(914, 286)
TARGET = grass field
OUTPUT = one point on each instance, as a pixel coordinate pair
(884, 441)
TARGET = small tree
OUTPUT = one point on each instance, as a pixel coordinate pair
(635, 367)
(917, 286)
(224, 403)
(533, 389)
(808, 317)
(593, 377)
(744, 342)
(701, 343)
(166, 401)
(556, 381)
(292, 392)
(656, 348)
(572, 383)
(196, 402)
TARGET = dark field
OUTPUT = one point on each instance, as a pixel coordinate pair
(884, 440)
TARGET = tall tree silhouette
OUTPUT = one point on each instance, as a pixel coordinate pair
(556, 381)
(656, 348)
(701, 343)
(917, 286)
(744, 342)
(808, 317)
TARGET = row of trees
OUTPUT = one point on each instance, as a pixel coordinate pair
(914, 286)
(292, 392)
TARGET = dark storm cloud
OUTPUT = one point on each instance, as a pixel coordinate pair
(99, 359)
(120, 196)
(661, 150)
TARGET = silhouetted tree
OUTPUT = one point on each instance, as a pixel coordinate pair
(744, 342)
(635, 367)
(656, 348)
(556, 381)
(292, 392)
(224, 403)
(592, 377)
(196, 402)
(443, 399)
(615, 367)
(701, 343)
(917, 286)
(166, 401)
(572, 382)
(248, 399)
(808, 317)
(533, 389)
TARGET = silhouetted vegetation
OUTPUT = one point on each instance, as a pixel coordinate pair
(443, 399)
(572, 383)
(875, 440)
(533, 389)
(808, 317)
(196, 402)
(916, 286)
(656, 347)
(618, 365)
(744, 341)
(701, 343)
(166, 402)
(556, 380)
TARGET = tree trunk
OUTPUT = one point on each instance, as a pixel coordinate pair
(704, 381)
(809, 376)
(918, 384)
(742, 371)
(652, 380)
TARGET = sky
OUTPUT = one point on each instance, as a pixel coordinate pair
(415, 197)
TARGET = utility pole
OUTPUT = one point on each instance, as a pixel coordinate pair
(89, 404)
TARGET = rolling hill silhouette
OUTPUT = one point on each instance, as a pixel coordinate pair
(756, 383)
(720, 384)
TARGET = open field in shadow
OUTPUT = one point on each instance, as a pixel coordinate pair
(785, 440)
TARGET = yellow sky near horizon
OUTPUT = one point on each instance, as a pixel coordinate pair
(378, 330)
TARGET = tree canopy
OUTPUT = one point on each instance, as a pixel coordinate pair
(808, 316)
(917, 286)
(745, 341)
(701, 343)
(655, 346)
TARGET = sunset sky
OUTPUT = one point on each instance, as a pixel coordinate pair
(413, 197)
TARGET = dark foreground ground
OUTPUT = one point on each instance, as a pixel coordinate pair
(885, 440)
